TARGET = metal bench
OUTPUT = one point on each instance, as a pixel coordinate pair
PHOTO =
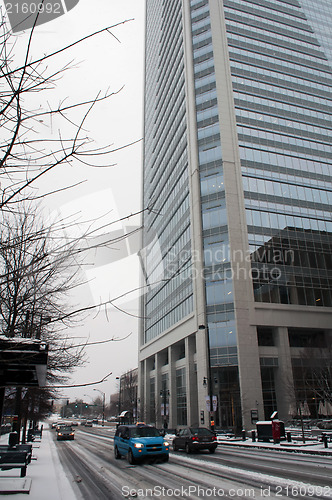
(18, 447)
(13, 459)
(33, 433)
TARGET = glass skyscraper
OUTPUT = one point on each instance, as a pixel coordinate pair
(237, 197)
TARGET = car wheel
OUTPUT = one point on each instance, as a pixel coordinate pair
(175, 447)
(187, 448)
(166, 459)
(212, 450)
(131, 458)
(117, 454)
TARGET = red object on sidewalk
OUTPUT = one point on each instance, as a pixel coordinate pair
(276, 431)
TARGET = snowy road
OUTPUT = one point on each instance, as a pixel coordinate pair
(229, 473)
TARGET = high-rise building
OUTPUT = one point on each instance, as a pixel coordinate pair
(237, 225)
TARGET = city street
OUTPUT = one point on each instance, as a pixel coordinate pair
(230, 472)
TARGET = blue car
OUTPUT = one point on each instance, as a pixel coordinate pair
(138, 442)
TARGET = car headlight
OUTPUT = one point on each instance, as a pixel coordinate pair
(139, 445)
(166, 443)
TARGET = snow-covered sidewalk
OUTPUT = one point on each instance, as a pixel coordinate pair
(45, 475)
(312, 447)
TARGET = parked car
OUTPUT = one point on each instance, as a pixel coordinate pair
(65, 432)
(138, 442)
(193, 439)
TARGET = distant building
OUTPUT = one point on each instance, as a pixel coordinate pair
(128, 388)
(238, 233)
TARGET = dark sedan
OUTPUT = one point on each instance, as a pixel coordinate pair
(65, 432)
(193, 439)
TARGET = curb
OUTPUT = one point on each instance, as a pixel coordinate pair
(284, 448)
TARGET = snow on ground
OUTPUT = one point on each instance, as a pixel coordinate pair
(298, 446)
(283, 487)
(48, 479)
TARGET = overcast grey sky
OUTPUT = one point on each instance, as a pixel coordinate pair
(101, 63)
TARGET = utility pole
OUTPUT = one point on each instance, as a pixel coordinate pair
(119, 402)
(164, 393)
(103, 415)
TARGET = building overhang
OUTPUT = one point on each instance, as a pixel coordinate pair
(23, 362)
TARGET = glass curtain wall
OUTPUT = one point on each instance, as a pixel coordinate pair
(280, 56)
(166, 219)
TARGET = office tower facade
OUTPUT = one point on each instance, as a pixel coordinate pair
(237, 234)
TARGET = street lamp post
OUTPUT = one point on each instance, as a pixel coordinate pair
(103, 416)
(119, 402)
(206, 328)
(164, 393)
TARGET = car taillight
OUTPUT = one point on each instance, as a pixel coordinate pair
(194, 438)
(214, 438)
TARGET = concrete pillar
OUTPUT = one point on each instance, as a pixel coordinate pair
(284, 383)
(172, 388)
(158, 399)
(146, 393)
(148, 367)
(202, 372)
(140, 391)
(191, 376)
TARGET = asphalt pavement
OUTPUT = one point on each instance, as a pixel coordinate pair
(46, 477)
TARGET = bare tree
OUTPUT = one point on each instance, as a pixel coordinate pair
(128, 391)
(26, 152)
(36, 275)
(317, 373)
(38, 267)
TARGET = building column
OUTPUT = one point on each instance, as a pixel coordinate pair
(140, 391)
(146, 390)
(191, 377)
(202, 373)
(158, 385)
(284, 383)
(172, 388)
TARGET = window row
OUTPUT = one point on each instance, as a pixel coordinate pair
(292, 191)
(272, 73)
(180, 312)
(275, 220)
(279, 93)
(263, 156)
(272, 111)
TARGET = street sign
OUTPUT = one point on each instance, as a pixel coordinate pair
(214, 403)
(254, 416)
(162, 409)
